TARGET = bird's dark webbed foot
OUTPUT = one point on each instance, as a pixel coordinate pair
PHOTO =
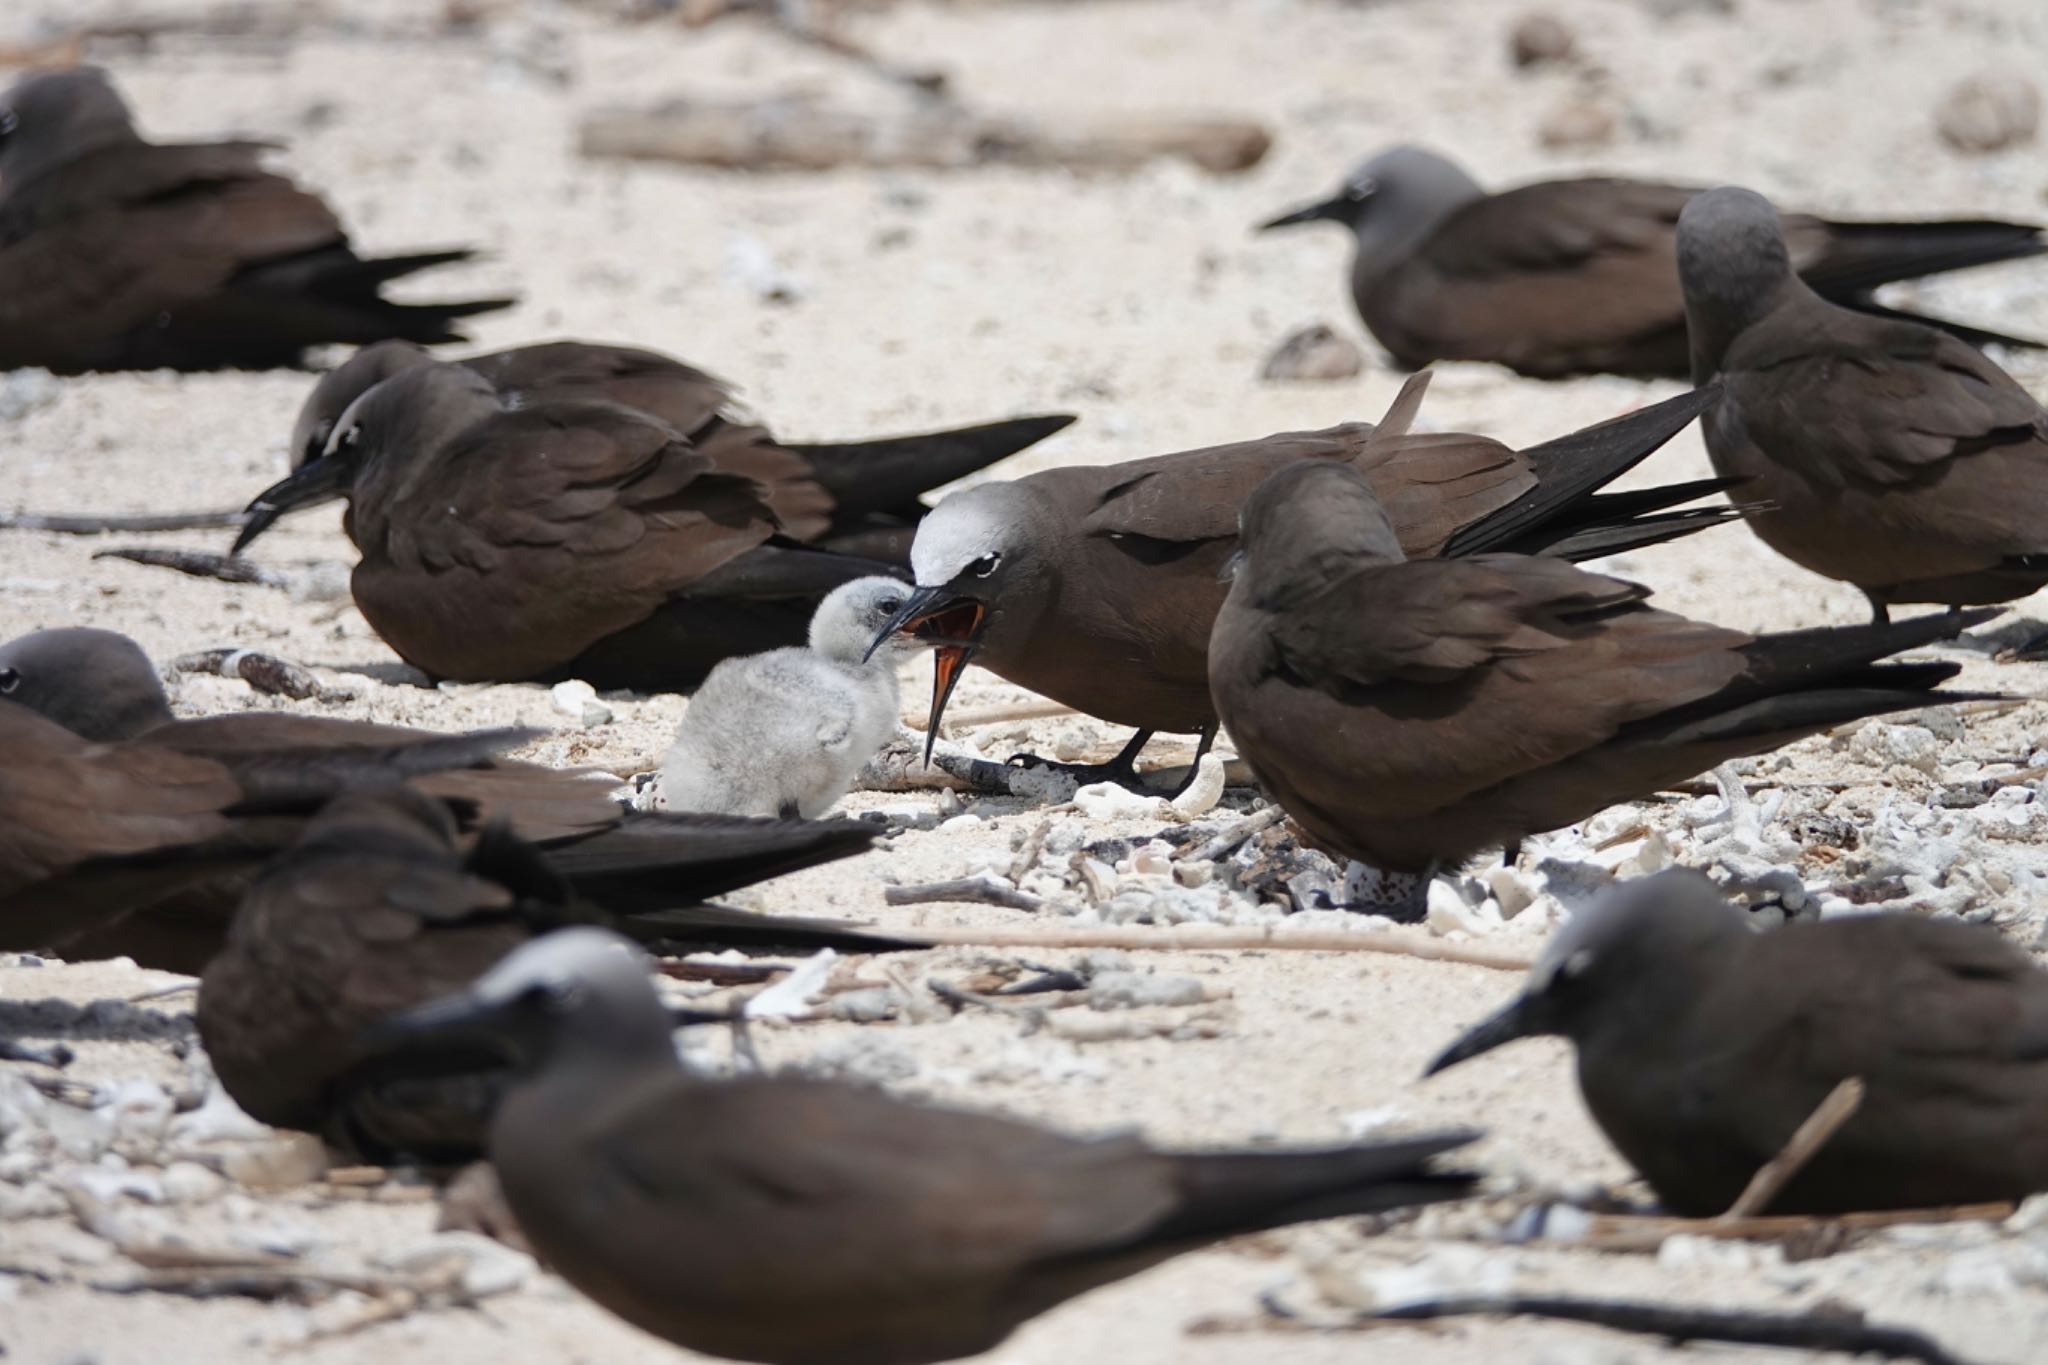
(1122, 770)
(1400, 896)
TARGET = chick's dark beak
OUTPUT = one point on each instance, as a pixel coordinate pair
(312, 483)
(1514, 1020)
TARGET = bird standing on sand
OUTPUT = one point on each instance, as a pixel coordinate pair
(1577, 276)
(121, 254)
(785, 733)
(801, 1222)
(1411, 713)
(100, 685)
(1096, 585)
(1888, 454)
(1703, 1045)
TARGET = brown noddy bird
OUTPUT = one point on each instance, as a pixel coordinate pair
(1577, 276)
(385, 903)
(802, 1222)
(122, 254)
(1409, 713)
(507, 535)
(1890, 455)
(99, 685)
(89, 831)
(1096, 585)
(861, 497)
(1703, 1045)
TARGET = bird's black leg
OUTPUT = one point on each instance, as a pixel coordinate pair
(1207, 737)
(1880, 614)
(1122, 770)
(1511, 853)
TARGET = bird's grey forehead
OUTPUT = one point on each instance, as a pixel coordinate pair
(564, 956)
(959, 531)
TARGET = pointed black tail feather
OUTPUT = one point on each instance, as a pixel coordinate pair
(657, 860)
(1595, 542)
(888, 474)
(686, 928)
(1224, 1194)
(1803, 681)
(1571, 467)
(1862, 256)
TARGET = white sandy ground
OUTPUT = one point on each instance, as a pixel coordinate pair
(1145, 305)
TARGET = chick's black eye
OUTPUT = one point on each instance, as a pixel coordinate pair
(9, 121)
(986, 565)
(9, 679)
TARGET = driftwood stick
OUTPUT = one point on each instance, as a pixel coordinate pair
(1218, 938)
(1634, 1232)
(1845, 1332)
(265, 673)
(1027, 854)
(87, 525)
(200, 564)
(983, 890)
(54, 1055)
(799, 134)
(1226, 843)
(1812, 1135)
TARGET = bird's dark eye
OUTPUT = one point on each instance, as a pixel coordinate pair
(350, 435)
(890, 605)
(10, 679)
(986, 565)
(1360, 189)
(554, 997)
(9, 121)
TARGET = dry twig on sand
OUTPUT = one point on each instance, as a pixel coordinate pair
(1219, 938)
(982, 890)
(88, 525)
(1806, 1140)
(1846, 1332)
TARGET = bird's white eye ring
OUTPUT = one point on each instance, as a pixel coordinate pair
(1577, 964)
(984, 566)
(10, 679)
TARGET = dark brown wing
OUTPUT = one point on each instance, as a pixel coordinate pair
(537, 533)
(110, 251)
(1463, 674)
(1855, 402)
(1192, 496)
(1551, 278)
(696, 404)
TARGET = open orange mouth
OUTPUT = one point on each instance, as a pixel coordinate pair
(954, 629)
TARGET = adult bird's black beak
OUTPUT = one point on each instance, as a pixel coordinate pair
(312, 483)
(465, 1020)
(949, 620)
(1311, 213)
(1514, 1020)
